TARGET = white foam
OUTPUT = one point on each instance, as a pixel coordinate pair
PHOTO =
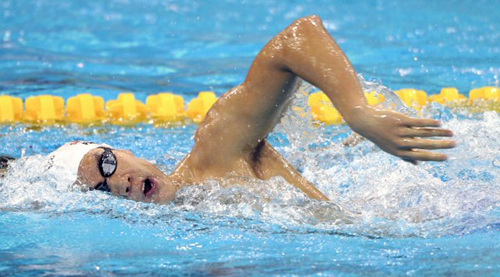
(372, 192)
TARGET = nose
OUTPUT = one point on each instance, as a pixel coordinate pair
(121, 184)
(129, 186)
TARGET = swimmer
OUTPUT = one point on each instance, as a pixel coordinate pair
(231, 141)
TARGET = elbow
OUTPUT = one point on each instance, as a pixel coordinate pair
(303, 27)
(294, 39)
(312, 21)
(300, 30)
(307, 23)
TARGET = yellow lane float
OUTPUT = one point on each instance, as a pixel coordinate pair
(85, 108)
(374, 98)
(166, 107)
(447, 95)
(413, 98)
(44, 109)
(11, 109)
(486, 93)
(126, 109)
(198, 107)
(322, 109)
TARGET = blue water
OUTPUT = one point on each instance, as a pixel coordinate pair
(388, 217)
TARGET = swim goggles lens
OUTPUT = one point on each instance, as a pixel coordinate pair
(107, 163)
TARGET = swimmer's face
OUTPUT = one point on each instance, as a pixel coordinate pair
(134, 178)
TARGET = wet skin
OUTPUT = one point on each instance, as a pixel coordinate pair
(231, 141)
(134, 178)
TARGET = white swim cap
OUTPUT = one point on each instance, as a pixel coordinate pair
(66, 159)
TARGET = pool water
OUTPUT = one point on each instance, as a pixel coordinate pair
(387, 217)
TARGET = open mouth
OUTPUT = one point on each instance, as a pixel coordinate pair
(149, 187)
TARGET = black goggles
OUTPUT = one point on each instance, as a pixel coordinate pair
(107, 162)
(107, 166)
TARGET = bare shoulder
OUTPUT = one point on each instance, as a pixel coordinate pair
(244, 116)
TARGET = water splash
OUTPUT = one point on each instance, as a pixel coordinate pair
(392, 100)
(372, 193)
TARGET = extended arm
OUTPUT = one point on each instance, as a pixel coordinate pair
(245, 115)
(229, 138)
(311, 53)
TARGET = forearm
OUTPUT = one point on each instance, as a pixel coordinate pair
(246, 114)
(312, 54)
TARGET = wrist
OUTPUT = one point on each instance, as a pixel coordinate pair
(358, 115)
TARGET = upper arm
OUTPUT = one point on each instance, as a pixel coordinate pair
(245, 115)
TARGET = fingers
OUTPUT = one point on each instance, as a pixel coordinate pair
(426, 132)
(422, 155)
(422, 122)
(427, 144)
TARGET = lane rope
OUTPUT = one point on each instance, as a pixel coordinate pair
(170, 108)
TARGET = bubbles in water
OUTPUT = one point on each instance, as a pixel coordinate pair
(431, 199)
(496, 161)
(372, 192)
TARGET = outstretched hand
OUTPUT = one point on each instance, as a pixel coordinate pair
(402, 136)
